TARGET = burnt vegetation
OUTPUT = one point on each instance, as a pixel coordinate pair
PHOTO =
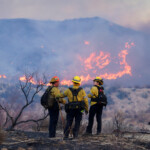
(18, 113)
(13, 110)
(2, 136)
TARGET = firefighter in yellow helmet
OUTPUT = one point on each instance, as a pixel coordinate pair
(77, 102)
(96, 105)
(53, 105)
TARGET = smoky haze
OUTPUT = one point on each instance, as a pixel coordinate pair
(56, 47)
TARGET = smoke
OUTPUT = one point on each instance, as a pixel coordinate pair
(145, 27)
(55, 47)
(125, 12)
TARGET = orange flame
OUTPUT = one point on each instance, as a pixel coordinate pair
(101, 61)
(93, 63)
(89, 60)
(69, 82)
(3, 76)
(127, 68)
(86, 42)
(66, 82)
(30, 79)
(85, 79)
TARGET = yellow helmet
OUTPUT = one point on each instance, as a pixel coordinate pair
(99, 79)
(76, 79)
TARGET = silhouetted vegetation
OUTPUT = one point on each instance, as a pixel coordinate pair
(2, 136)
(14, 112)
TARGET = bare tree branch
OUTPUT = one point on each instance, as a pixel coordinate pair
(32, 120)
(7, 113)
(29, 91)
(22, 89)
(5, 121)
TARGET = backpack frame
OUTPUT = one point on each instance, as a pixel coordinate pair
(80, 105)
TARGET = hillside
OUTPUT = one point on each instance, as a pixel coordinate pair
(59, 47)
(133, 103)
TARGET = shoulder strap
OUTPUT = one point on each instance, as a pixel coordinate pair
(100, 89)
(75, 92)
(49, 88)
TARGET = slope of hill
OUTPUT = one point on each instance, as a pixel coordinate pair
(55, 47)
(134, 103)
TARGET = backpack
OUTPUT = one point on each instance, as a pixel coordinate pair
(80, 105)
(45, 97)
(101, 99)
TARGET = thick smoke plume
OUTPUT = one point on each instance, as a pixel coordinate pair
(63, 47)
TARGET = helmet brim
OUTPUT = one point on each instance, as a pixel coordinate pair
(100, 81)
(76, 81)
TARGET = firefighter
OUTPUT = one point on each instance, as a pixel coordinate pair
(53, 106)
(77, 102)
(96, 107)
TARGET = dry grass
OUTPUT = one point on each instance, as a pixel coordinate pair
(44, 124)
(2, 136)
(83, 127)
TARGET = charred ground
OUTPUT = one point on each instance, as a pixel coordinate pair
(39, 140)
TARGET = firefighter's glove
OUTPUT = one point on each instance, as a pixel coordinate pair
(57, 99)
(60, 100)
(57, 96)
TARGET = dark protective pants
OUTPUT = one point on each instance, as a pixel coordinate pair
(54, 114)
(95, 109)
(71, 114)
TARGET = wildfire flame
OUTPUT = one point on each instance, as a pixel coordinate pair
(101, 61)
(66, 82)
(95, 62)
(3, 76)
(32, 80)
(86, 42)
(127, 68)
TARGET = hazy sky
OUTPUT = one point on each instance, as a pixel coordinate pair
(129, 13)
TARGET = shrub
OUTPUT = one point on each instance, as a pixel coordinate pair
(2, 136)
(144, 95)
(122, 94)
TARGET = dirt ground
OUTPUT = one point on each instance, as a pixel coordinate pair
(25, 140)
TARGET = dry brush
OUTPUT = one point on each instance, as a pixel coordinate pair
(13, 115)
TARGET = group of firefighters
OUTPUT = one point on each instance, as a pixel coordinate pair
(76, 105)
